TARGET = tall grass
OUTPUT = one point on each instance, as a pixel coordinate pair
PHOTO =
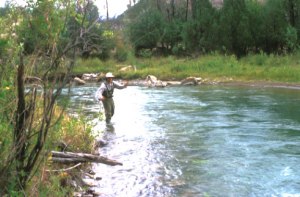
(75, 132)
(93, 65)
(283, 68)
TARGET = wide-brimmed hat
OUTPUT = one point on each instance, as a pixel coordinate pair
(109, 75)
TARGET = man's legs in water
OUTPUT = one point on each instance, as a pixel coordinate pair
(109, 108)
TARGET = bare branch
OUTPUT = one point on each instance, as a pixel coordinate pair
(65, 169)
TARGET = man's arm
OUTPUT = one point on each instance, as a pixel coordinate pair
(99, 92)
(119, 85)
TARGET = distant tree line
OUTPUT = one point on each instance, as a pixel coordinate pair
(236, 27)
(180, 27)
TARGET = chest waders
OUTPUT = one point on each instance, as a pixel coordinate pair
(108, 103)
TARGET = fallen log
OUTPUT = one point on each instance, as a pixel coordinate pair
(70, 157)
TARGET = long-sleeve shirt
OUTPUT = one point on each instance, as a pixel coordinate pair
(107, 86)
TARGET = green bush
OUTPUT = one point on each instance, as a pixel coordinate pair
(145, 53)
(291, 38)
(121, 54)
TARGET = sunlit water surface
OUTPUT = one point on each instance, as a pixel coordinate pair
(198, 141)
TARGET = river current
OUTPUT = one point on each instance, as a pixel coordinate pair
(197, 141)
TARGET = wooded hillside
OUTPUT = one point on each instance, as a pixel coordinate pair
(204, 26)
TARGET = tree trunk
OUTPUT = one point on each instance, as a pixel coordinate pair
(187, 10)
(173, 9)
(291, 10)
(19, 132)
(107, 16)
(158, 5)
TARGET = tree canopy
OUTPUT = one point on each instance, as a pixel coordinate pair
(236, 27)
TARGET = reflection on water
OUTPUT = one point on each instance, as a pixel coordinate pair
(198, 141)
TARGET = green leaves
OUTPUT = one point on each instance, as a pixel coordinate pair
(291, 38)
(42, 26)
(236, 27)
(146, 30)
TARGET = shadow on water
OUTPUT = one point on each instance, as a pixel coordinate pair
(198, 141)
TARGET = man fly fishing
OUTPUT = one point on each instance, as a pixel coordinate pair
(105, 94)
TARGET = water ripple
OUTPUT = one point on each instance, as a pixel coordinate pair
(200, 141)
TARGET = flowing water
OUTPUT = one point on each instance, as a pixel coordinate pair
(198, 141)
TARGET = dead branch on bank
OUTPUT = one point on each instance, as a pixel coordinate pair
(65, 169)
(70, 157)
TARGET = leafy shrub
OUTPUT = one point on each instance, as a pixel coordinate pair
(146, 53)
(121, 54)
(291, 38)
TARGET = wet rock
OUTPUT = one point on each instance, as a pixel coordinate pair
(91, 176)
(90, 76)
(98, 178)
(78, 81)
(173, 83)
(77, 194)
(87, 195)
(91, 172)
(89, 182)
(152, 81)
(97, 193)
(90, 191)
(127, 68)
(191, 81)
(100, 143)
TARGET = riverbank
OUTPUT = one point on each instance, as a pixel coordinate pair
(98, 77)
(214, 68)
(230, 82)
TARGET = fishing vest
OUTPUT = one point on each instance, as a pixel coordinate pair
(108, 93)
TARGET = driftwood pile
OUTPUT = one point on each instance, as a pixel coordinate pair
(83, 182)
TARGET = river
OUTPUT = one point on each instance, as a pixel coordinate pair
(198, 141)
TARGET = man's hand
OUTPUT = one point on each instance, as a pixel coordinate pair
(125, 83)
(102, 98)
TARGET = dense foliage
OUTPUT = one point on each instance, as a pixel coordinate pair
(237, 27)
(36, 43)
